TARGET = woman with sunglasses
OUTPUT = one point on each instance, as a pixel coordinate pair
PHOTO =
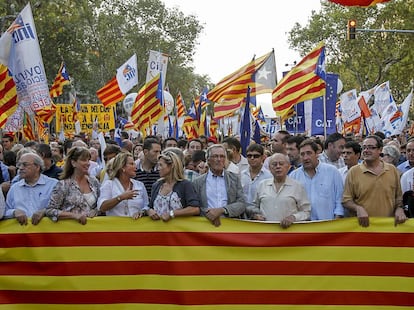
(76, 194)
(172, 195)
(121, 195)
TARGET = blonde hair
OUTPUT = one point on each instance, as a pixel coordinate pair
(172, 159)
(118, 163)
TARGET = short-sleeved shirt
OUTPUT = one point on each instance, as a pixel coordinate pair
(378, 194)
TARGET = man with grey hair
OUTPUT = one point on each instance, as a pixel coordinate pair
(220, 191)
(281, 198)
(30, 196)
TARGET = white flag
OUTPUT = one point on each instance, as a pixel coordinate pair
(383, 98)
(127, 75)
(405, 109)
(349, 106)
(20, 51)
(157, 63)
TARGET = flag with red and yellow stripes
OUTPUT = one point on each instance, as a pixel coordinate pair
(46, 114)
(8, 95)
(305, 81)
(110, 93)
(28, 132)
(227, 108)
(180, 105)
(62, 79)
(234, 85)
(188, 263)
(147, 108)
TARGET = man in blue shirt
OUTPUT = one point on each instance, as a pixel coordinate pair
(322, 182)
(30, 196)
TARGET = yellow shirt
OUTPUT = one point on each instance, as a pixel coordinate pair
(378, 194)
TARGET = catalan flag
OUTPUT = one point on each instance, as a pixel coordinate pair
(47, 113)
(115, 90)
(8, 95)
(42, 129)
(213, 127)
(180, 105)
(28, 132)
(189, 264)
(234, 86)
(62, 79)
(111, 93)
(305, 81)
(227, 108)
(190, 127)
(147, 108)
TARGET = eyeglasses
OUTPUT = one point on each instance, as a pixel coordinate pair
(253, 155)
(218, 156)
(369, 147)
(24, 165)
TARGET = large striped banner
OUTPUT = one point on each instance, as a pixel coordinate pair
(189, 264)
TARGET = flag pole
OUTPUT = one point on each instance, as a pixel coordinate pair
(324, 115)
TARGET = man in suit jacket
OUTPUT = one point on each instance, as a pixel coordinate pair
(220, 191)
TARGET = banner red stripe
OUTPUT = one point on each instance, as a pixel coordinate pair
(205, 268)
(229, 297)
(201, 239)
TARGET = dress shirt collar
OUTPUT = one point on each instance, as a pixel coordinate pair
(40, 180)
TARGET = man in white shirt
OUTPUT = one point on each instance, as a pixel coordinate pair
(351, 155)
(220, 191)
(255, 174)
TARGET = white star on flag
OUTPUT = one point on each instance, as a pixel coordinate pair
(263, 73)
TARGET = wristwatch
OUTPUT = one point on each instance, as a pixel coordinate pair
(118, 198)
(172, 215)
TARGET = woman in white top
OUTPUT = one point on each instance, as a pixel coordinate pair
(121, 195)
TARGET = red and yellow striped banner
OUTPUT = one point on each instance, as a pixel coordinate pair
(189, 264)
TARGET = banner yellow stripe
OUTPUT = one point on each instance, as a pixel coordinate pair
(208, 307)
(208, 283)
(207, 253)
(200, 224)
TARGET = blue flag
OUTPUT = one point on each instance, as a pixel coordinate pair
(245, 125)
(256, 135)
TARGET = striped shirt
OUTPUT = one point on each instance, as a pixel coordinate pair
(147, 177)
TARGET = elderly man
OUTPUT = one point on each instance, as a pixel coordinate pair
(30, 196)
(281, 198)
(373, 188)
(220, 191)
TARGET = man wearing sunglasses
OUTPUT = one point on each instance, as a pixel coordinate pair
(255, 173)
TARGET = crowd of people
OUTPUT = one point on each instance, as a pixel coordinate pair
(287, 179)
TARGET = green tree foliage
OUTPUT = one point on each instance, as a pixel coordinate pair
(373, 57)
(95, 37)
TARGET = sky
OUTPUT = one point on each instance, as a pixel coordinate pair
(236, 30)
